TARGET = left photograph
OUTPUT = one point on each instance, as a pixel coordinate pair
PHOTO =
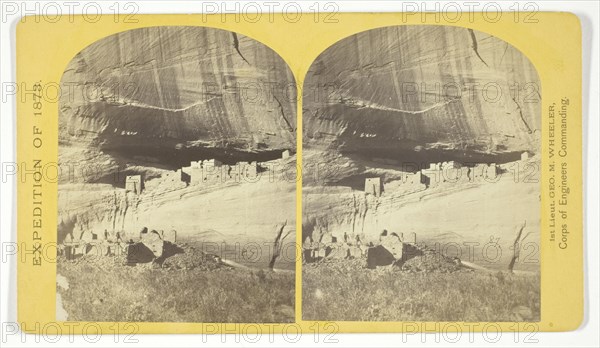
(176, 199)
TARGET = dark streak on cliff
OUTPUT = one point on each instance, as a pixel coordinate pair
(521, 115)
(291, 128)
(236, 45)
(474, 46)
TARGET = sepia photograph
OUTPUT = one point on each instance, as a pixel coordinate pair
(421, 184)
(175, 199)
(338, 173)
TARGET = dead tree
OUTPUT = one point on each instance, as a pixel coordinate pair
(277, 246)
(516, 248)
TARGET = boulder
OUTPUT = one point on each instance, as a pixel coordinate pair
(139, 253)
(170, 236)
(153, 242)
(388, 252)
(379, 256)
(394, 245)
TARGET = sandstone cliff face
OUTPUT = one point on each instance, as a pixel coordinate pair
(416, 95)
(168, 87)
(403, 88)
(147, 102)
(229, 212)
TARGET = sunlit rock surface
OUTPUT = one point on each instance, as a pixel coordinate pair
(406, 88)
(394, 101)
(150, 101)
(150, 91)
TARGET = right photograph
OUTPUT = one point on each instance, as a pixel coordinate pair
(421, 179)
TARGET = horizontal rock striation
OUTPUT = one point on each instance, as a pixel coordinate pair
(184, 87)
(399, 89)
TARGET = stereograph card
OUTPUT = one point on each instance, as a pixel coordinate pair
(368, 173)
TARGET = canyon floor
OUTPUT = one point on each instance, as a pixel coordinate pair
(190, 287)
(328, 293)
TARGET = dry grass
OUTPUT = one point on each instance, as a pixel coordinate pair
(137, 294)
(384, 295)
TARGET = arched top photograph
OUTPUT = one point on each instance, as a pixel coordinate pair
(175, 134)
(431, 140)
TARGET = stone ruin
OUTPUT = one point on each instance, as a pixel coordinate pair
(167, 182)
(330, 246)
(134, 183)
(373, 186)
(483, 171)
(90, 243)
(285, 154)
(414, 179)
(150, 245)
(214, 171)
(391, 248)
(434, 175)
(441, 172)
(452, 172)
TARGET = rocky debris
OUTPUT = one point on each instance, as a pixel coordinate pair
(174, 257)
(192, 258)
(423, 259)
(106, 263)
(415, 258)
